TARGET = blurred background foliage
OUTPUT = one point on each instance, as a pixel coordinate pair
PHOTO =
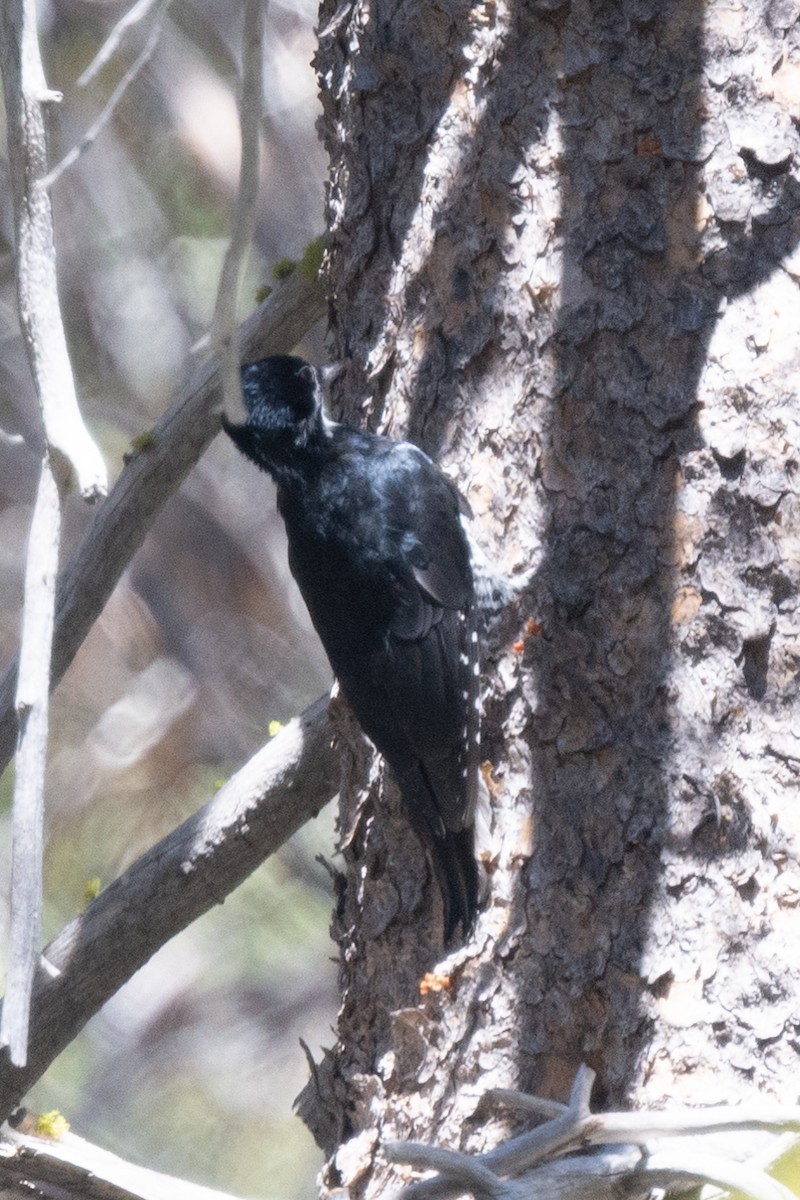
(192, 1068)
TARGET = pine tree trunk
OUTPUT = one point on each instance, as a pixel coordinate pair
(561, 259)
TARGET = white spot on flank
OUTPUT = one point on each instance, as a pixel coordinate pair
(476, 670)
(474, 637)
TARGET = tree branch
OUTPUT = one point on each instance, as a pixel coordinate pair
(72, 1166)
(176, 881)
(112, 43)
(26, 94)
(32, 706)
(150, 477)
(69, 451)
(641, 1127)
(537, 1162)
(223, 334)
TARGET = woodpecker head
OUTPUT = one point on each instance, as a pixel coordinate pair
(283, 398)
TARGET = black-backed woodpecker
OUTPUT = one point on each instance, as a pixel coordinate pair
(382, 559)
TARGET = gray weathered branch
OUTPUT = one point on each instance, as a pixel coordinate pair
(538, 1163)
(26, 97)
(71, 1166)
(69, 452)
(136, 13)
(176, 881)
(223, 330)
(32, 707)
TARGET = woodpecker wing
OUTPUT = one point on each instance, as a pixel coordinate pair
(429, 653)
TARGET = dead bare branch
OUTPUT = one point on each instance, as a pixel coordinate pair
(223, 328)
(127, 21)
(176, 881)
(538, 1162)
(32, 704)
(26, 95)
(72, 1166)
(69, 451)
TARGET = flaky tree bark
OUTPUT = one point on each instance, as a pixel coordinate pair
(563, 258)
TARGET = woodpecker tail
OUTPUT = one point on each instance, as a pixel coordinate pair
(451, 851)
(457, 874)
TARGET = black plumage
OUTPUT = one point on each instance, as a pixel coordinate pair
(381, 557)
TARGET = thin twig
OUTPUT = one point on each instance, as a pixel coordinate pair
(223, 325)
(97, 126)
(109, 47)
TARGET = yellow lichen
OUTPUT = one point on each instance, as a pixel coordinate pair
(52, 1125)
(91, 889)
